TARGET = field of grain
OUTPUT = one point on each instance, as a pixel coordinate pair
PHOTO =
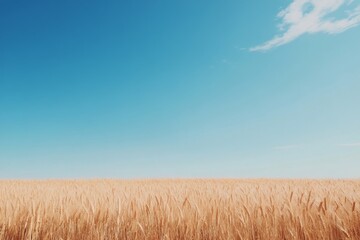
(180, 209)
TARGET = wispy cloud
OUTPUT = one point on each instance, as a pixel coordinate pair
(313, 16)
(287, 147)
(350, 144)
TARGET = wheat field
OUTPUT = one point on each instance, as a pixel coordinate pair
(180, 209)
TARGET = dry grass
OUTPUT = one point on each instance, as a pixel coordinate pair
(180, 209)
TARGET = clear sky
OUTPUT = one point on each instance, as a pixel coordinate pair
(143, 89)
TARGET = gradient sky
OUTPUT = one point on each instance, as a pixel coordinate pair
(143, 89)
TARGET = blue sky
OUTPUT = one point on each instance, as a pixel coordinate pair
(143, 89)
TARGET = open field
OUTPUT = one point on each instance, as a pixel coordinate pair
(180, 209)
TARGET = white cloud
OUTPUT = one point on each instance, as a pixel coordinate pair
(350, 145)
(313, 16)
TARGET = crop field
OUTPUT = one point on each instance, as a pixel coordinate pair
(180, 209)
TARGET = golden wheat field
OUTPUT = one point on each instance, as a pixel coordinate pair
(180, 209)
